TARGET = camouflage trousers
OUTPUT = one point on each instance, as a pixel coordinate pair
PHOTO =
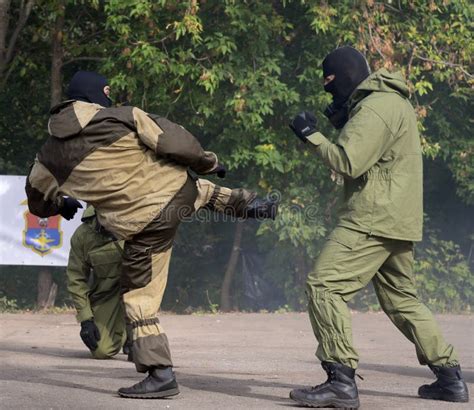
(146, 262)
(348, 261)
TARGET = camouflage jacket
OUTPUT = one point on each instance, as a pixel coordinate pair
(126, 163)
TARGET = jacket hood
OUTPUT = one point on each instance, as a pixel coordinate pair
(382, 81)
(70, 117)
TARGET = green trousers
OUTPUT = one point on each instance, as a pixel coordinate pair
(109, 317)
(348, 261)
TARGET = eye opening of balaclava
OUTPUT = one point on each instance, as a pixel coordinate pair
(89, 86)
(350, 68)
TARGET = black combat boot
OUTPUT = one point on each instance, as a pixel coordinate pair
(261, 209)
(449, 385)
(159, 383)
(340, 389)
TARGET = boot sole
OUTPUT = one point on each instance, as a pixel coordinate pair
(157, 395)
(453, 399)
(342, 404)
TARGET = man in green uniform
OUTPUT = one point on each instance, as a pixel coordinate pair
(93, 280)
(378, 155)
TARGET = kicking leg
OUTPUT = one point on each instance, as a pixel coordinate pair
(146, 262)
(238, 202)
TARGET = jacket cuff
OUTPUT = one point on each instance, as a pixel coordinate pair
(84, 314)
(59, 202)
(209, 163)
(317, 139)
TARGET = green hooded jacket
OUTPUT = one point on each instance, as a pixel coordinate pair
(378, 153)
(94, 266)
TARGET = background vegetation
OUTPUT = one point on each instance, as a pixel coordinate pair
(234, 73)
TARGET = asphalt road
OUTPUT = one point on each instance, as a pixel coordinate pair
(224, 361)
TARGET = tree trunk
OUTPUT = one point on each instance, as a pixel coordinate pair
(47, 290)
(57, 56)
(8, 47)
(226, 303)
(4, 20)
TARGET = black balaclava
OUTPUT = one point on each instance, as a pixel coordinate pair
(350, 68)
(89, 86)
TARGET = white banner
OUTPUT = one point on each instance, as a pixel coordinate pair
(26, 239)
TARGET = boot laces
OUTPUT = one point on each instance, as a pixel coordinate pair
(331, 377)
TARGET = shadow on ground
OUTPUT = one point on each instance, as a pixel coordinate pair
(233, 384)
(242, 387)
(421, 371)
(46, 351)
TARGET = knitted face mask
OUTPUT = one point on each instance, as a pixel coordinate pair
(89, 87)
(349, 67)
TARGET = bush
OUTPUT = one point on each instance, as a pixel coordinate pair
(7, 305)
(443, 277)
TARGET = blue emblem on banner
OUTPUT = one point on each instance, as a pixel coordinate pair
(42, 235)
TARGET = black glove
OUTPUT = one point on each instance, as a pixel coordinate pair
(69, 208)
(303, 125)
(90, 334)
(220, 171)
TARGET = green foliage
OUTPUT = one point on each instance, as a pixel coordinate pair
(443, 277)
(213, 307)
(234, 73)
(8, 305)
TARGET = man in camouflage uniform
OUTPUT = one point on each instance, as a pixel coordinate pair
(93, 281)
(378, 154)
(138, 171)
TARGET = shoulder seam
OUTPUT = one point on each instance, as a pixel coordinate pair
(378, 115)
